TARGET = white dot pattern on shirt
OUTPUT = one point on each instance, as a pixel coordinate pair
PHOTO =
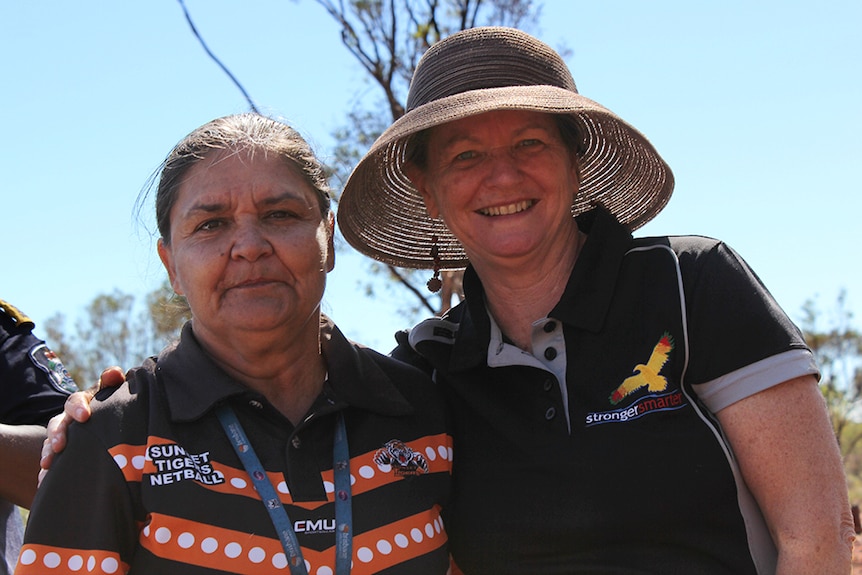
(240, 483)
(186, 540)
(256, 555)
(233, 549)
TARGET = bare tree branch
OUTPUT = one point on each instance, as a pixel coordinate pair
(216, 60)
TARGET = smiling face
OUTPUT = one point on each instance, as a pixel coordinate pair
(503, 182)
(248, 246)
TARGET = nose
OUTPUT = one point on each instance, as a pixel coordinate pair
(250, 242)
(502, 167)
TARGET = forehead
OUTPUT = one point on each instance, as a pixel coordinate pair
(498, 121)
(246, 173)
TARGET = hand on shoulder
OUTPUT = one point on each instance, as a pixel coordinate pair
(77, 408)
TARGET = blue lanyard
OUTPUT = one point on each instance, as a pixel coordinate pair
(277, 513)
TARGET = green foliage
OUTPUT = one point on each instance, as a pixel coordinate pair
(115, 330)
(837, 345)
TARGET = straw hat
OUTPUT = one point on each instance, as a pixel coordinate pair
(479, 70)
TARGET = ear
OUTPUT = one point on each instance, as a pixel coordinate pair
(167, 258)
(420, 182)
(330, 247)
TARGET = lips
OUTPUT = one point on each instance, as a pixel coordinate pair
(253, 283)
(508, 209)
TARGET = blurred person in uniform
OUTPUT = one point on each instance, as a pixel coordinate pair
(34, 384)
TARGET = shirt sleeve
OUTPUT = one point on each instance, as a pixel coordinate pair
(728, 389)
(83, 515)
(740, 340)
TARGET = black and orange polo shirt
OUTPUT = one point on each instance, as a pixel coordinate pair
(160, 489)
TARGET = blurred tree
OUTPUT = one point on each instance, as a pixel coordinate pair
(837, 345)
(113, 330)
(387, 37)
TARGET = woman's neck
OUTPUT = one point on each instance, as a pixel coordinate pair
(286, 368)
(519, 296)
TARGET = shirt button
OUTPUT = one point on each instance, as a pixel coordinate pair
(549, 415)
(550, 326)
(549, 383)
(295, 442)
(550, 353)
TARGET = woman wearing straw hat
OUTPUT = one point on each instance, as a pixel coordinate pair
(621, 405)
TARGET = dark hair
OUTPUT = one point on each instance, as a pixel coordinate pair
(416, 148)
(236, 133)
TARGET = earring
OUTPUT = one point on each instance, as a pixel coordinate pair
(434, 284)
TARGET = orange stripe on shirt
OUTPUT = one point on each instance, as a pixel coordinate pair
(212, 547)
(36, 559)
(132, 460)
(366, 474)
(398, 542)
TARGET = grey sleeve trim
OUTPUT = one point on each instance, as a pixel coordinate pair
(736, 385)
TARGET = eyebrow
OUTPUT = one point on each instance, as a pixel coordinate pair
(275, 200)
(467, 136)
(205, 208)
(287, 196)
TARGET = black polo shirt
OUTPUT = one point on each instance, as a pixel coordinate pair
(599, 453)
(173, 496)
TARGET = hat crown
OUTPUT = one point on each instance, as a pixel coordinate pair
(486, 57)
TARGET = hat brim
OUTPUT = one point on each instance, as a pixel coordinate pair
(382, 215)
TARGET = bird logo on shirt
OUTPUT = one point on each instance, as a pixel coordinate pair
(647, 375)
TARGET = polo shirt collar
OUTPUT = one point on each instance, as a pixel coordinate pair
(584, 303)
(194, 384)
(588, 294)
(474, 327)
(356, 379)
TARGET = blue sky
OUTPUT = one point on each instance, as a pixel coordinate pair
(755, 106)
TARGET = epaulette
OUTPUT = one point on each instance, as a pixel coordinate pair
(13, 314)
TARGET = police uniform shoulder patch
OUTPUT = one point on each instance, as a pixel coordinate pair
(11, 312)
(15, 322)
(50, 363)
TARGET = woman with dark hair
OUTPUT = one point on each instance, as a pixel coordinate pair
(263, 440)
